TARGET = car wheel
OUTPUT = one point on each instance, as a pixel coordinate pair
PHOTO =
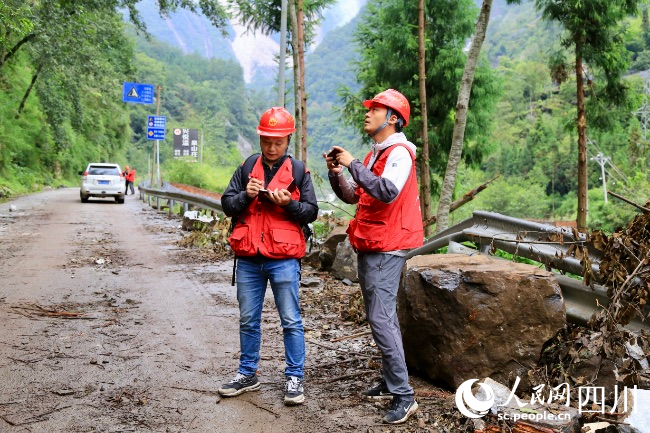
(119, 200)
(84, 199)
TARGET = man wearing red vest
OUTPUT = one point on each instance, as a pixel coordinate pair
(386, 225)
(269, 206)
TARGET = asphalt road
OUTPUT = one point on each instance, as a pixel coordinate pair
(105, 327)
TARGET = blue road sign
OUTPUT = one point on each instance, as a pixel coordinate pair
(137, 93)
(156, 127)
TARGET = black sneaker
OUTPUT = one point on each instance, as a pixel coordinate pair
(378, 392)
(293, 391)
(400, 410)
(239, 385)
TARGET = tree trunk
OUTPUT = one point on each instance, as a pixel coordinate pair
(466, 198)
(303, 93)
(425, 173)
(28, 91)
(296, 79)
(11, 52)
(581, 220)
(460, 121)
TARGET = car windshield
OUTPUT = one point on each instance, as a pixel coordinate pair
(104, 171)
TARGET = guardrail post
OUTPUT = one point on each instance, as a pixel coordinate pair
(186, 207)
(171, 206)
(149, 200)
(157, 203)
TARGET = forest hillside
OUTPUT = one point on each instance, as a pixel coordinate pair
(61, 106)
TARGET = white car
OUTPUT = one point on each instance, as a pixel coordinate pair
(102, 180)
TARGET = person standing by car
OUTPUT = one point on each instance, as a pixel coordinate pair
(269, 204)
(386, 225)
(125, 175)
(130, 180)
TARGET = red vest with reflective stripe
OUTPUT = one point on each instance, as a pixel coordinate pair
(381, 227)
(265, 227)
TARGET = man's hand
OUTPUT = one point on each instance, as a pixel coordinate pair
(344, 157)
(338, 158)
(281, 197)
(253, 187)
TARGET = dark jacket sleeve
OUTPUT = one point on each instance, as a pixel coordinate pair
(305, 210)
(376, 186)
(234, 200)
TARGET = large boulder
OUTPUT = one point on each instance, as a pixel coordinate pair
(345, 263)
(471, 317)
(327, 253)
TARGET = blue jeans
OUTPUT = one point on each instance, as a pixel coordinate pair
(284, 276)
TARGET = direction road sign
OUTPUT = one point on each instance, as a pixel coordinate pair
(156, 127)
(137, 93)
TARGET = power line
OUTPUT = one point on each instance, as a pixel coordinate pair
(644, 111)
(602, 160)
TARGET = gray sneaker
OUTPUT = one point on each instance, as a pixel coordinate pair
(240, 384)
(400, 410)
(294, 391)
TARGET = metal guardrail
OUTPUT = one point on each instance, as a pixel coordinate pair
(173, 194)
(542, 243)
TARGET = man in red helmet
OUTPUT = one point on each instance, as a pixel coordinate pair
(386, 225)
(270, 197)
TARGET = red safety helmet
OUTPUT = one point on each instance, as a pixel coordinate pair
(392, 99)
(276, 122)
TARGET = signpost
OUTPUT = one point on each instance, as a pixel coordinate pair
(156, 127)
(186, 143)
(137, 93)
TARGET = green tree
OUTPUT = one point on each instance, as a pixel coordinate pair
(387, 40)
(266, 16)
(593, 33)
(26, 23)
(460, 117)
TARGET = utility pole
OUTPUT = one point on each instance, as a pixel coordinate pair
(283, 51)
(602, 160)
(644, 111)
(156, 151)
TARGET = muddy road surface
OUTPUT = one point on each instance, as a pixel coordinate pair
(107, 325)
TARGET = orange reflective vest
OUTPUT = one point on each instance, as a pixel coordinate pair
(382, 227)
(264, 227)
(130, 176)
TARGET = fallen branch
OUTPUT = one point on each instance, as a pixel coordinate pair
(202, 391)
(347, 337)
(330, 364)
(638, 206)
(35, 418)
(40, 311)
(363, 355)
(466, 198)
(31, 361)
(332, 204)
(612, 421)
(277, 415)
(345, 376)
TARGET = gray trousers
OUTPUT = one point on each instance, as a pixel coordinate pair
(379, 277)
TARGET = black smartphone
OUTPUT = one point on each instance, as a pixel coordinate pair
(332, 154)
